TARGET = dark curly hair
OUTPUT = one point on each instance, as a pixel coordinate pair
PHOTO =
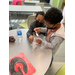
(41, 13)
(53, 15)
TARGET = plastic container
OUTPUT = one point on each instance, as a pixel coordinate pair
(19, 35)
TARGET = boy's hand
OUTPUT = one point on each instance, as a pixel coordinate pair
(37, 30)
(38, 41)
(31, 38)
(35, 33)
(11, 39)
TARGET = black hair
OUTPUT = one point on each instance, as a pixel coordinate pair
(41, 13)
(53, 15)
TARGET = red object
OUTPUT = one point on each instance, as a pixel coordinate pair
(31, 70)
(16, 1)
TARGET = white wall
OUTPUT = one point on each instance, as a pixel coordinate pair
(50, 2)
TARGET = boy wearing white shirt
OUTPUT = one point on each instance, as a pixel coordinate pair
(55, 33)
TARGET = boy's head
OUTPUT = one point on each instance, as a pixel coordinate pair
(39, 17)
(53, 18)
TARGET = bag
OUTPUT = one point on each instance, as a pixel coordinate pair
(18, 2)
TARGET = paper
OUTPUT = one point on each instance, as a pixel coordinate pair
(24, 25)
(20, 65)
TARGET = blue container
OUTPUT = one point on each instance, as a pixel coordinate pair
(19, 33)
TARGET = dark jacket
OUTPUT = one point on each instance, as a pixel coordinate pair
(31, 29)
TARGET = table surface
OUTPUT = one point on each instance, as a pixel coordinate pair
(24, 8)
(40, 59)
(27, 1)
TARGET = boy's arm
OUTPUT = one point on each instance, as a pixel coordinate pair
(43, 30)
(30, 31)
(53, 43)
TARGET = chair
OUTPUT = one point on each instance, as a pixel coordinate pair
(61, 71)
(41, 4)
(30, 19)
(27, 23)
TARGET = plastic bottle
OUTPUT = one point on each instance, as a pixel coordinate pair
(19, 35)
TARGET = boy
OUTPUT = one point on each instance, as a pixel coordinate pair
(37, 23)
(54, 32)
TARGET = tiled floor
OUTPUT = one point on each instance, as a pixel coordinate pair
(15, 23)
(59, 57)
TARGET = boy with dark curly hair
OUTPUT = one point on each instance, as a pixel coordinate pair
(54, 30)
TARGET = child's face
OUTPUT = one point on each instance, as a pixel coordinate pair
(40, 18)
(48, 25)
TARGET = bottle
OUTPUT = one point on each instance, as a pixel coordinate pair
(19, 35)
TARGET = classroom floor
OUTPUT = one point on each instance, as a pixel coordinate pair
(58, 61)
(59, 57)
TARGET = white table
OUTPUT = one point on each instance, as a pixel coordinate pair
(24, 8)
(40, 59)
(32, 1)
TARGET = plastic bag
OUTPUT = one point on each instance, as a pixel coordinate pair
(17, 2)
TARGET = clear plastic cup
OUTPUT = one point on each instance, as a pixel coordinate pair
(34, 46)
(37, 47)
